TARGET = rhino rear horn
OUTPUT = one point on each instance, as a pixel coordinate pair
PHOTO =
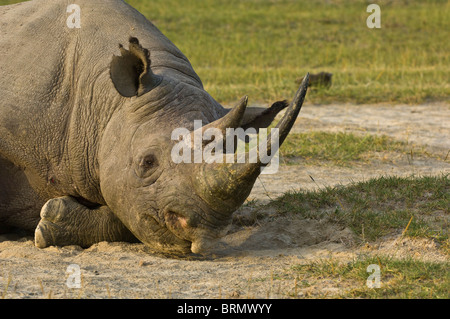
(130, 72)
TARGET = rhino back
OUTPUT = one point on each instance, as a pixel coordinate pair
(35, 42)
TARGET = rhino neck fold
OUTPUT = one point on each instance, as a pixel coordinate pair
(92, 110)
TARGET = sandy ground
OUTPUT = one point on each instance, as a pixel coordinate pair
(251, 261)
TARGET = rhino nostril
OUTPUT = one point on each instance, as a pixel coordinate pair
(176, 220)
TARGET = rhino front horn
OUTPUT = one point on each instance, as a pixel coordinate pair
(284, 126)
(288, 120)
(229, 184)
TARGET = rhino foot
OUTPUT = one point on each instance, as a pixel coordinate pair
(43, 235)
(55, 226)
(64, 221)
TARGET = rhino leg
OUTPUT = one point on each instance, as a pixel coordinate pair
(65, 221)
(19, 203)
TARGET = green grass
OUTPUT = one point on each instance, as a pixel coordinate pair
(379, 207)
(338, 148)
(399, 278)
(5, 2)
(416, 207)
(260, 47)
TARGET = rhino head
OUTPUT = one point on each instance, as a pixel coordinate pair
(178, 207)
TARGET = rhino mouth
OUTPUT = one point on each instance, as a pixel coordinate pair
(176, 226)
(189, 229)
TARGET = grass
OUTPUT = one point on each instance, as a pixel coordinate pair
(399, 278)
(338, 148)
(260, 47)
(379, 207)
(416, 207)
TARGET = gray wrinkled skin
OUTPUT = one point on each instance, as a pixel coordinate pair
(85, 132)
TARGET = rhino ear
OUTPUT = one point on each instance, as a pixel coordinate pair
(130, 72)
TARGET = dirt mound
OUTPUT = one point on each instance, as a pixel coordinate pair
(282, 235)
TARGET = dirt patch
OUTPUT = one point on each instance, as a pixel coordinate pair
(256, 257)
(424, 124)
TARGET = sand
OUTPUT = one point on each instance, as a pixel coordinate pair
(253, 261)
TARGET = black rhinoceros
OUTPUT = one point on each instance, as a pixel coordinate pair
(87, 108)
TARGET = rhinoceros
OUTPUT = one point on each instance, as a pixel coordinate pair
(86, 115)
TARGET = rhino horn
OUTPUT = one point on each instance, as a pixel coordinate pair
(232, 119)
(288, 120)
(231, 183)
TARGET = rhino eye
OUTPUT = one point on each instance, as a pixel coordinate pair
(148, 162)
